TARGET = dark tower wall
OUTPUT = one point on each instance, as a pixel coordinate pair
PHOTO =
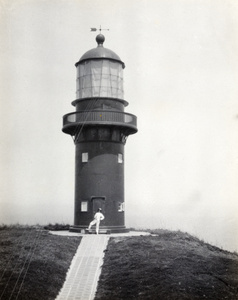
(100, 178)
(100, 128)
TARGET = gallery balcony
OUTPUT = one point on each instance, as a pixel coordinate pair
(98, 118)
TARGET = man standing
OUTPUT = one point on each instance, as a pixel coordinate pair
(97, 218)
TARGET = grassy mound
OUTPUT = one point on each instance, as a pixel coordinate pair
(33, 263)
(171, 265)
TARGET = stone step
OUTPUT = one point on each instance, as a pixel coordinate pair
(101, 231)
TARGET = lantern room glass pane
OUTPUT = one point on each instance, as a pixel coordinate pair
(99, 78)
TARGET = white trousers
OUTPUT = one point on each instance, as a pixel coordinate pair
(93, 223)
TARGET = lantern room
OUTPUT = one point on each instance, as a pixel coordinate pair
(100, 73)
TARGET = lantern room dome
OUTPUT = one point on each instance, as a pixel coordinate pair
(100, 53)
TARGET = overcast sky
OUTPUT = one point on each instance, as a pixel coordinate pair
(181, 58)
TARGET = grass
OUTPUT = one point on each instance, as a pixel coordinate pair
(33, 262)
(170, 265)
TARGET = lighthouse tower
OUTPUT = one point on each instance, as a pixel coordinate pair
(100, 128)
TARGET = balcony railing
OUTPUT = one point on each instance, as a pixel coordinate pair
(75, 119)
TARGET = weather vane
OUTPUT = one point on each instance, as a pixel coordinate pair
(100, 29)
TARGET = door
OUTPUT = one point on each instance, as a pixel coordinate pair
(98, 202)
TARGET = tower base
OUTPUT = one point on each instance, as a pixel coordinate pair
(102, 229)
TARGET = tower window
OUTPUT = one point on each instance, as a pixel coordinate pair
(120, 158)
(121, 207)
(84, 206)
(85, 157)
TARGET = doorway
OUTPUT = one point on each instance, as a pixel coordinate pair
(98, 202)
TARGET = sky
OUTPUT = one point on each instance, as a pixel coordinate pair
(181, 168)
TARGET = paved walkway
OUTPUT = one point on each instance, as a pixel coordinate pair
(83, 275)
(82, 278)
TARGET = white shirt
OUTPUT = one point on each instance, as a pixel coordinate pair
(98, 216)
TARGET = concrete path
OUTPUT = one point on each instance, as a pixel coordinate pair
(82, 277)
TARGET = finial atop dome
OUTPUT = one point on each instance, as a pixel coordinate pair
(100, 52)
(100, 38)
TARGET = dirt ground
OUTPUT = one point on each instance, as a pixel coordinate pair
(171, 265)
